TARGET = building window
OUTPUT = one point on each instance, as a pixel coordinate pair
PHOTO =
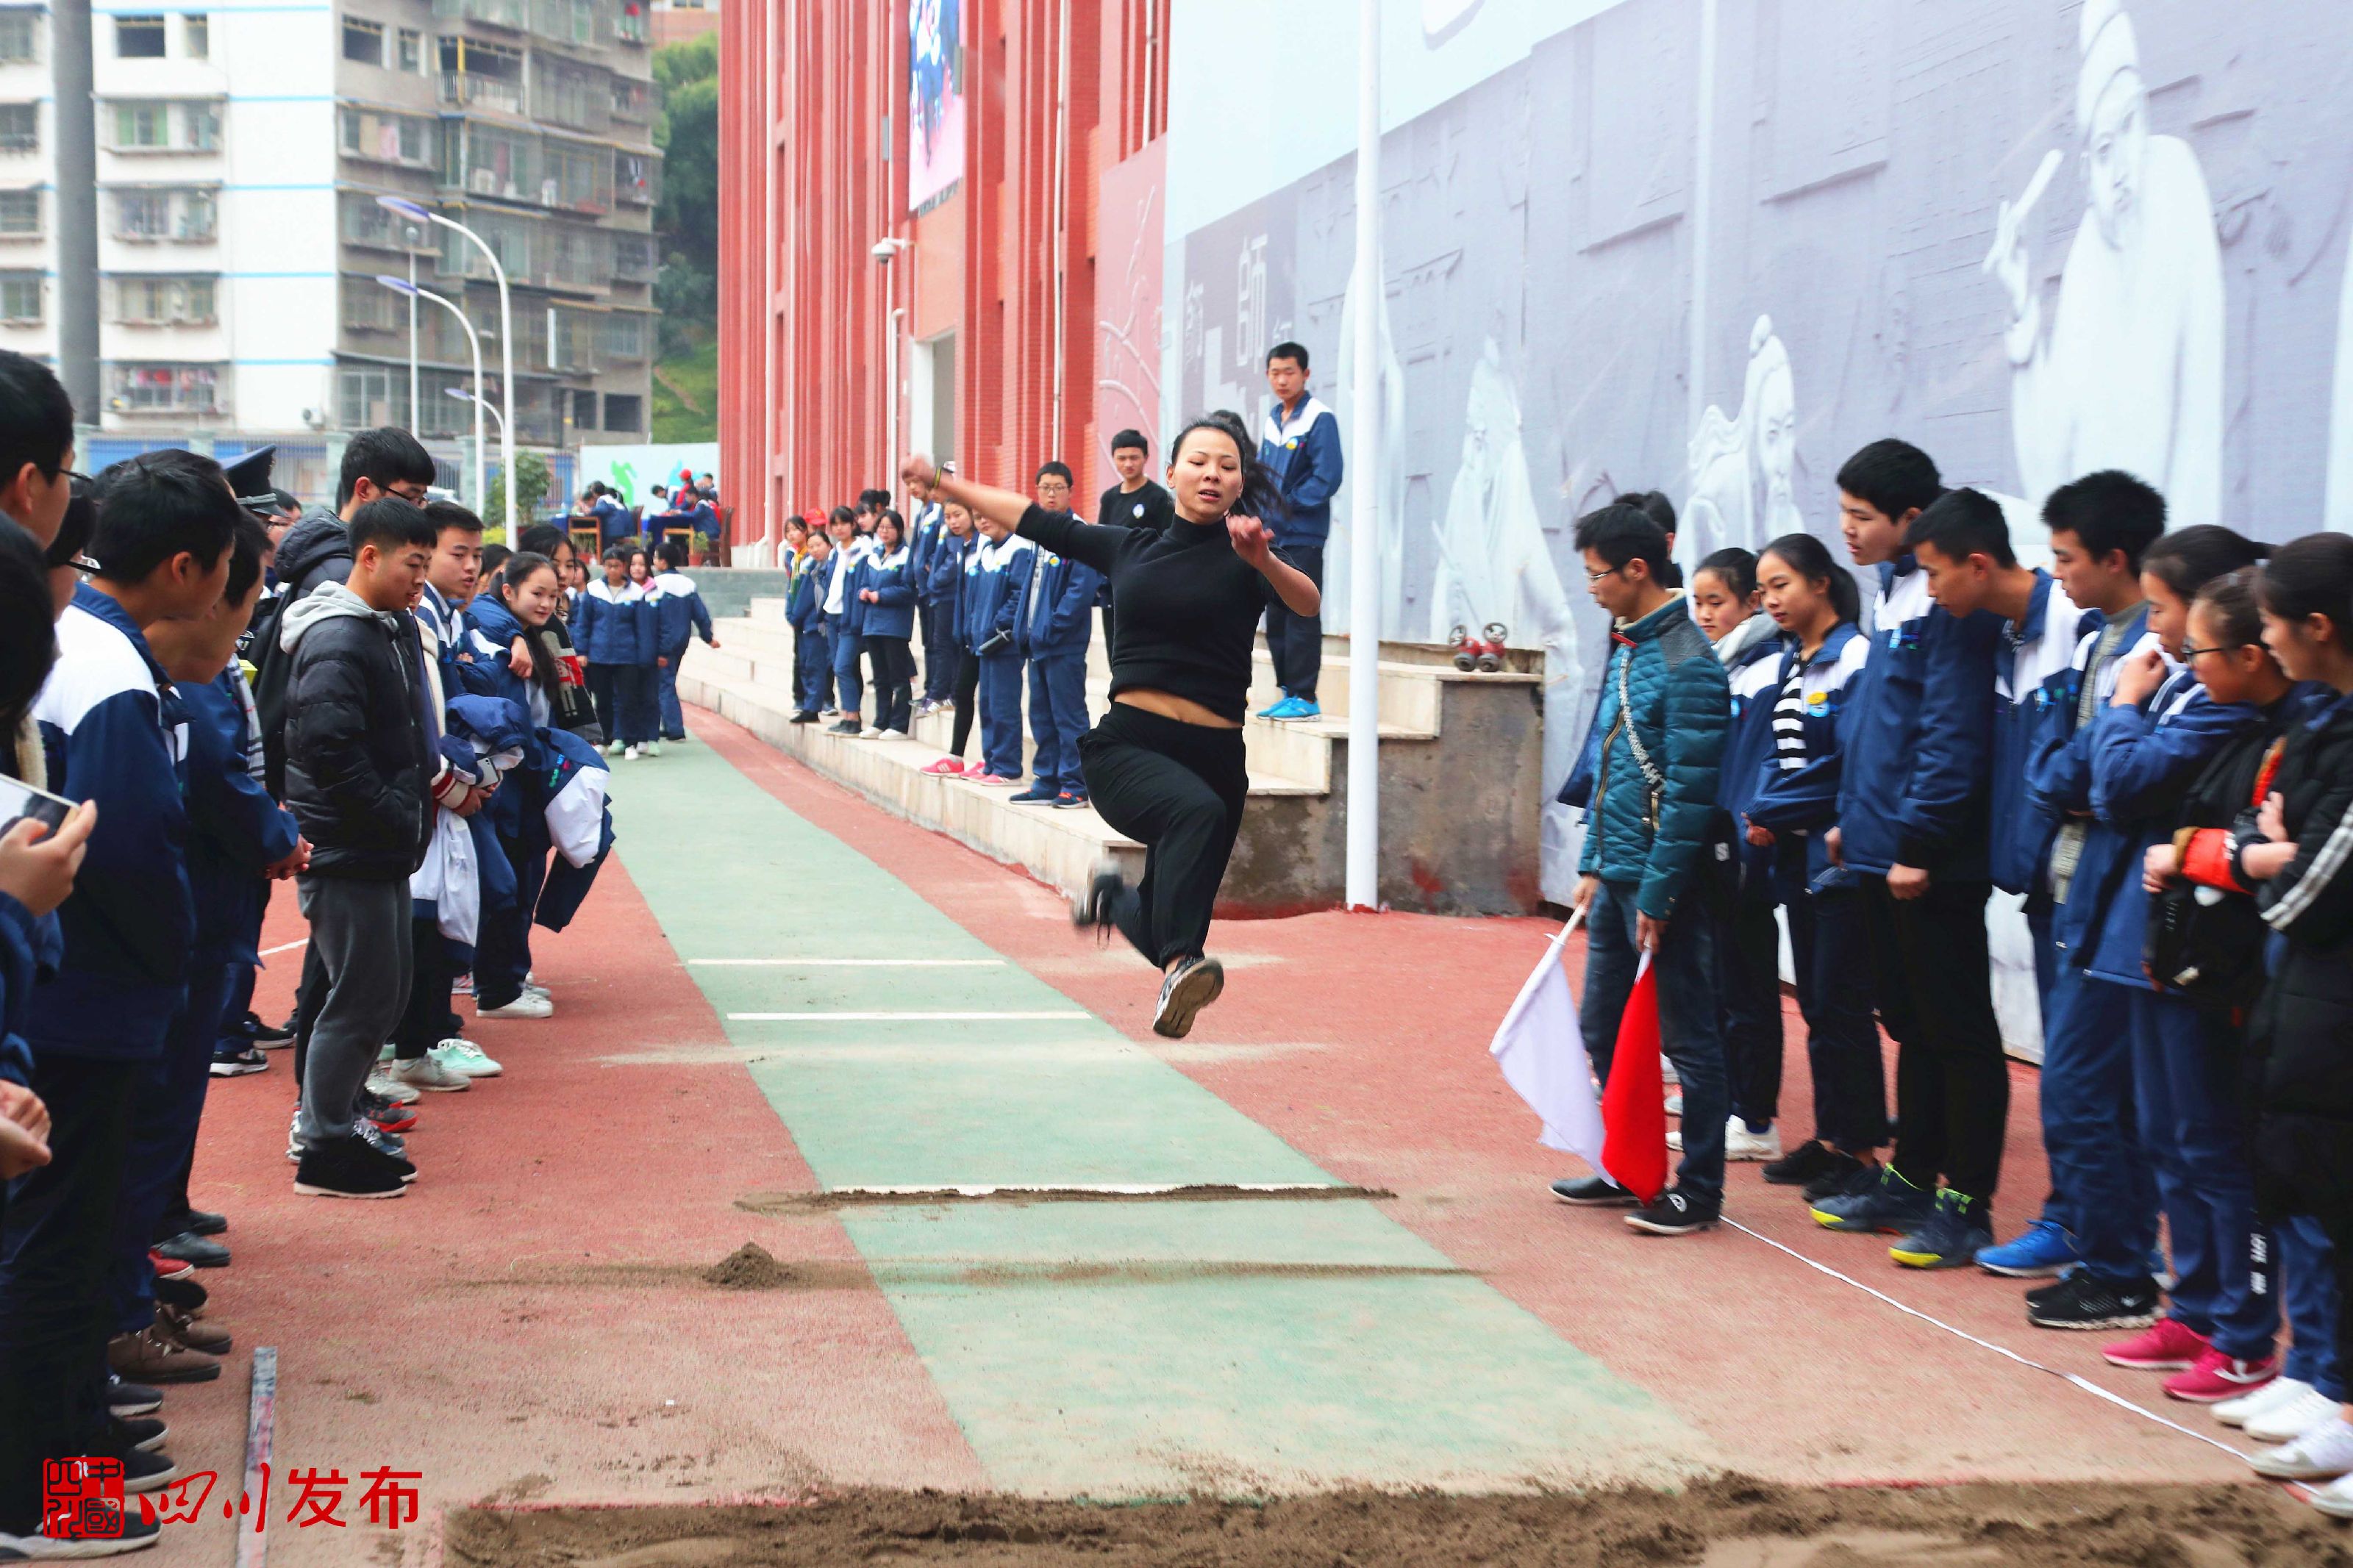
(160, 214)
(387, 138)
(163, 127)
(412, 50)
(20, 127)
(138, 37)
(20, 297)
(363, 41)
(197, 30)
(20, 214)
(373, 396)
(163, 388)
(624, 411)
(584, 411)
(18, 37)
(623, 337)
(370, 307)
(364, 223)
(164, 301)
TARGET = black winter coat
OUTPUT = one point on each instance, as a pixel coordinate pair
(357, 767)
(2303, 1026)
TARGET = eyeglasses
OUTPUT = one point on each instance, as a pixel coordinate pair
(1593, 577)
(2188, 654)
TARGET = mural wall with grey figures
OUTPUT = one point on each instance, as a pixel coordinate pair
(1710, 247)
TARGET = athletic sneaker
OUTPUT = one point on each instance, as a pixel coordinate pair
(143, 1433)
(1072, 800)
(804, 717)
(463, 985)
(389, 1117)
(1887, 1203)
(1674, 1105)
(2085, 1300)
(347, 1168)
(1808, 1160)
(385, 1086)
(465, 1056)
(1274, 708)
(1675, 1212)
(2335, 1499)
(169, 1268)
(2323, 1451)
(871, 732)
(1036, 794)
(2216, 1377)
(269, 1035)
(2279, 1391)
(189, 1247)
(889, 735)
(137, 1533)
(847, 727)
(1304, 708)
(130, 1398)
(653, 748)
(1740, 1143)
(1952, 1237)
(2170, 1345)
(613, 748)
(631, 754)
(528, 1004)
(1594, 1192)
(388, 1146)
(2041, 1249)
(946, 767)
(1852, 1175)
(2293, 1416)
(534, 988)
(1092, 910)
(1189, 987)
(237, 1061)
(426, 1073)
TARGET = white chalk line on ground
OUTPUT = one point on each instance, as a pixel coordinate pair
(2085, 1383)
(902, 1017)
(845, 963)
(1114, 1189)
(286, 947)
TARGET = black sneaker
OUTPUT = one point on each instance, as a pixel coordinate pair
(182, 1295)
(132, 1398)
(238, 1061)
(804, 717)
(147, 1472)
(1092, 909)
(1191, 986)
(1808, 1162)
(263, 1033)
(1675, 1212)
(1594, 1192)
(1950, 1239)
(347, 1168)
(195, 1222)
(2085, 1300)
(847, 727)
(143, 1433)
(387, 1147)
(200, 1250)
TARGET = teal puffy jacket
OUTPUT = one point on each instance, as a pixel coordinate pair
(1665, 710)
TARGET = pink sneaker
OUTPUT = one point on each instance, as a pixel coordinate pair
(948, 766)
(2170, 1345)
(2216, 1377)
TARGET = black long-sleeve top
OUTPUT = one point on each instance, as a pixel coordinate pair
(1185, 607)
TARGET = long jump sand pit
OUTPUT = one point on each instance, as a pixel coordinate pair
(1724, 1523)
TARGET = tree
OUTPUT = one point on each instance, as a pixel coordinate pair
(688, 218)
(532, 478)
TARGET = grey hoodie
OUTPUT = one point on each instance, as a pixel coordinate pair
(328, 601)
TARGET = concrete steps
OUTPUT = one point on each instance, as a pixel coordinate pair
(1460, 759)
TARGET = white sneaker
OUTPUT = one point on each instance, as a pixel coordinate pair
(384, 1086)
(891, 735)
(2247, 1406)
(465, 1056)
(1667, 1073)
(630, 755)
(2323, 1452)
(1674, 1105)
(2336, 1500)
(1740, 1143)
(653, 748)
(529, 1005)
(426, 1073)
(2292, 1419)
(534, 988)
(870, 733)
(613, 748)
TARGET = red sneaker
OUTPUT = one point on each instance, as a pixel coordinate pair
(395, 1118)
(170, 1268)
(2167, 1345)
(946, 766)
(2215, 1377)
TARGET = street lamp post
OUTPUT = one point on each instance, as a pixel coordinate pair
(885, 251)
(407, 208)
(479, 401)
(473, 342)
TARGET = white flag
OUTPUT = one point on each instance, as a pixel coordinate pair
(1541, 1052)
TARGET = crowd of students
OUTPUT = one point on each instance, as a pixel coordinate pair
(2152, 744)
(206, 691)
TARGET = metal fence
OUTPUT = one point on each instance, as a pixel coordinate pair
(307, 465)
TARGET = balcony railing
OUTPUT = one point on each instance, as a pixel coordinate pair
(490, 93)
(513, 15)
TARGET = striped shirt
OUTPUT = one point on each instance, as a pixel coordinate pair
(1789, 720)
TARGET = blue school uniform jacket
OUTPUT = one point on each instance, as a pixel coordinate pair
(612, 626)
(680, 615)
(805, 607)
(940, 578)
(1752, 675)
(236, 830)
(889, 580)
(1058, 606)
(1918, 757)
(995, 576)
(929, 531)
(114, 733)
(1801, 802)
(20, 948)
(2029, 673)
(1303, 452)
(842, 567)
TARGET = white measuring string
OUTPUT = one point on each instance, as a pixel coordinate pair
(2085, 1383)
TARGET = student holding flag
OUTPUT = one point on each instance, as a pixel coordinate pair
(1665, 709)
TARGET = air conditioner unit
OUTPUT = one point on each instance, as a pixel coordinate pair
(484, 182)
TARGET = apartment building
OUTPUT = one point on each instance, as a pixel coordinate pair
(242, 151)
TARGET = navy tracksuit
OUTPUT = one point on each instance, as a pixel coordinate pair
(1057, 623)
(1747, 942)
(939, 576)
(613, 630)
(889, 623)
(995, 578)
(812, 653)
(845, 628)
(679, 615)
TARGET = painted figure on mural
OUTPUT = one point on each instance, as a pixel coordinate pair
(1387, 473)
(1743, 466)
(2128, 373)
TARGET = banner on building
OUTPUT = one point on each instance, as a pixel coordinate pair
(1127, 305)
(635, 470)
(934, 99)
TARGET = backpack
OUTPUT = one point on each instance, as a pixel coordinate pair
(272, 665)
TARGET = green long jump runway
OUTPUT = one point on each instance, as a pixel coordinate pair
(1105, 1348)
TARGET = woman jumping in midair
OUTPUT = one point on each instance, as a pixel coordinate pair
(1165, 766)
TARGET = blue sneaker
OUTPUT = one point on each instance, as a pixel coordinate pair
(1036, 794)
(1304, 708)
(1952, 1237)
(2042, 1249)
(1876, 1201)
(1275, 710)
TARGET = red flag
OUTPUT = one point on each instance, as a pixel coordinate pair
(1633, 1109)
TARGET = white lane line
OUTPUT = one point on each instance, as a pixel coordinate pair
(1110, 1189)
(901, 1017)
(845, 963)
(286, 947)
